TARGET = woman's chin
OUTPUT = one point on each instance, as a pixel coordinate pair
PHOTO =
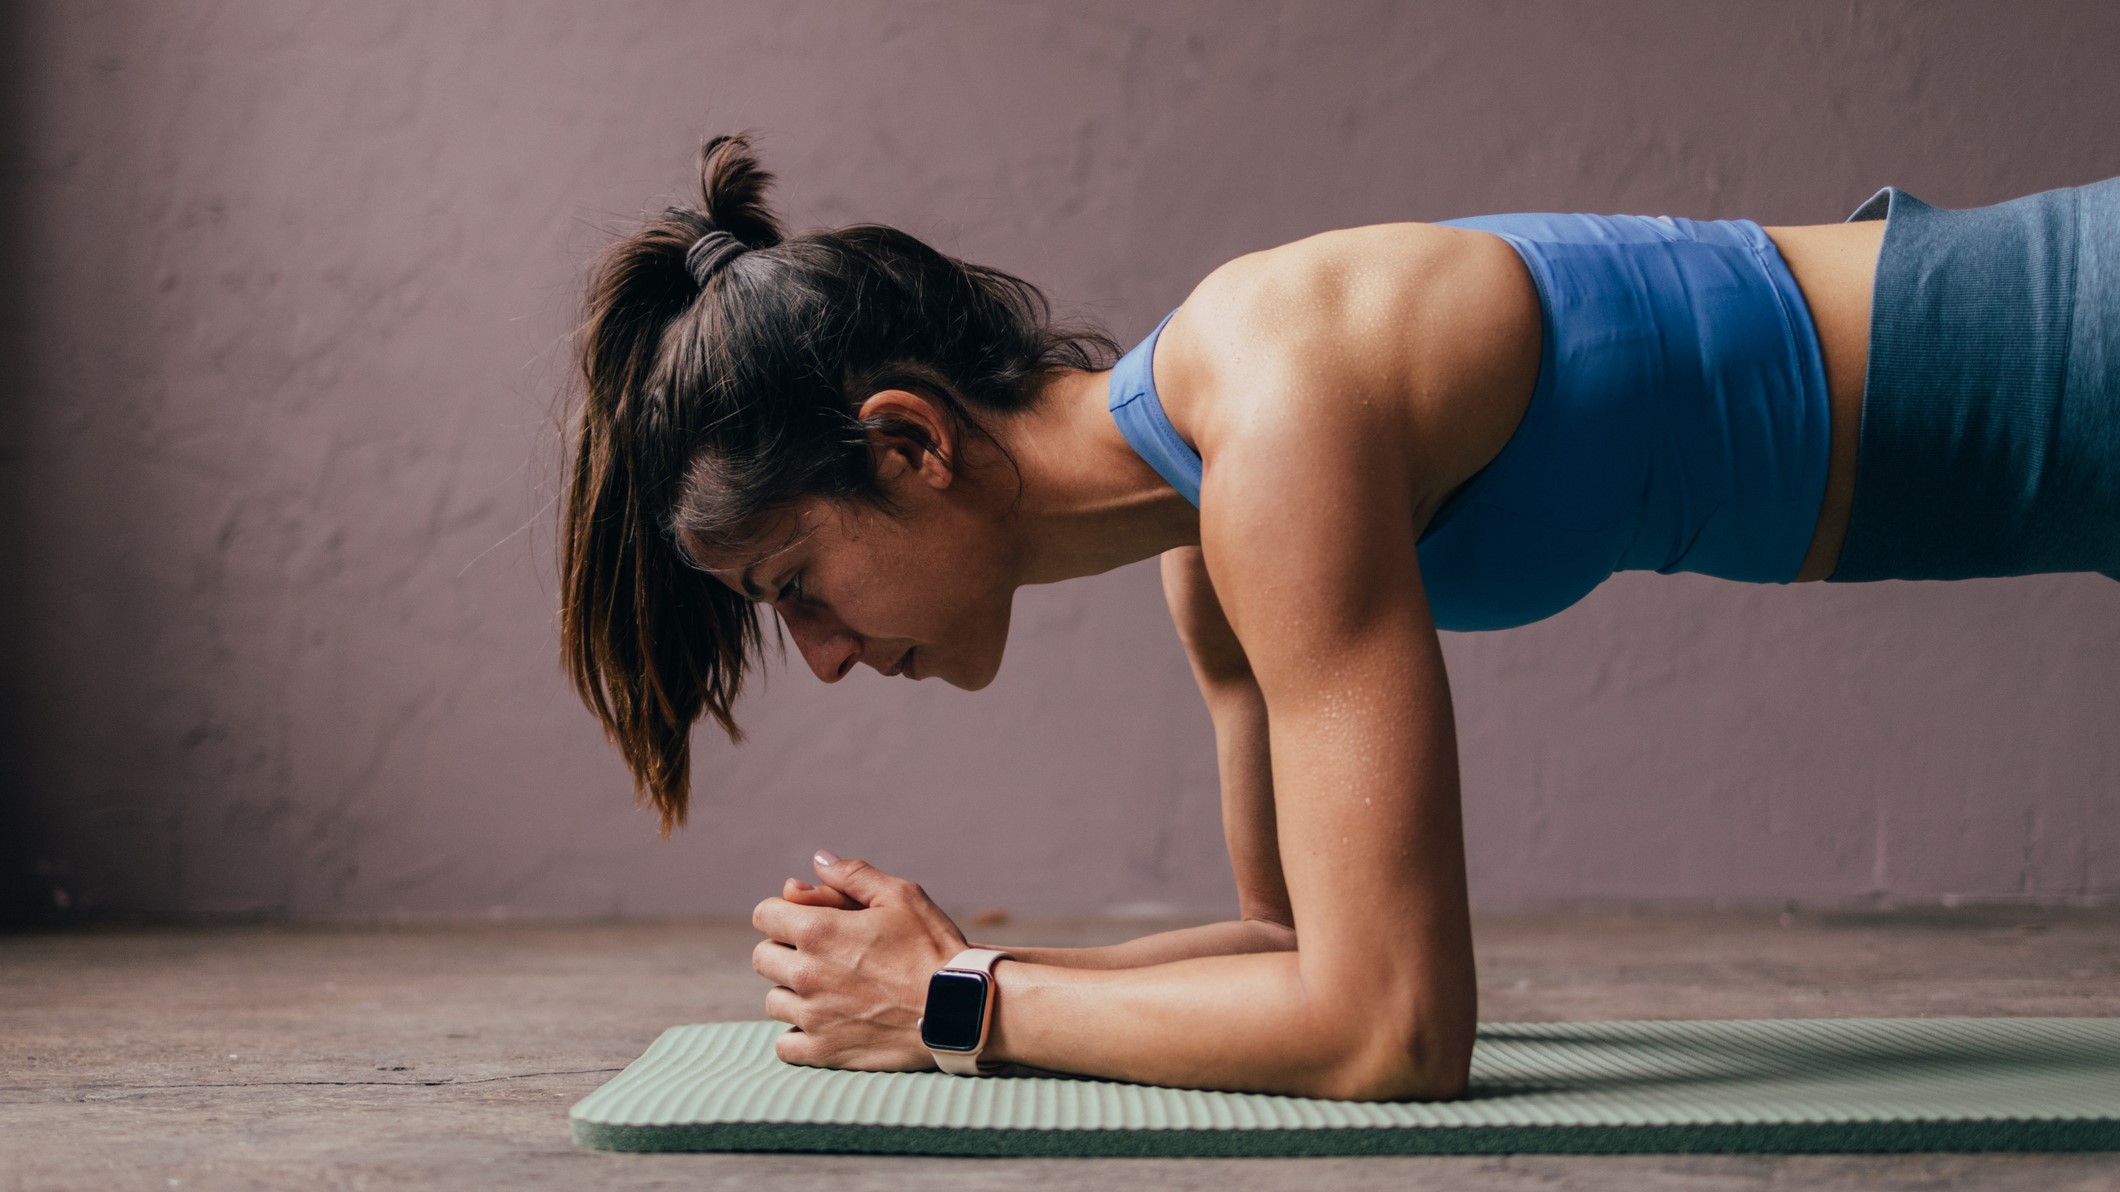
(972, 682)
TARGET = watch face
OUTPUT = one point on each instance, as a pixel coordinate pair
(956, 1009)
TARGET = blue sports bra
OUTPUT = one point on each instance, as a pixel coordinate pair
(1679, 422)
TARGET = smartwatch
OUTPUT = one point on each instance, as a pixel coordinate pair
(960, 1007)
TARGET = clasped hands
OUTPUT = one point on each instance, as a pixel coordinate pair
(849, 960)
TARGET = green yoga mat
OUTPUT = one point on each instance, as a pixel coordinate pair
(1773, 1085)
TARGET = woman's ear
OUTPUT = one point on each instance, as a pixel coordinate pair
(909, 437)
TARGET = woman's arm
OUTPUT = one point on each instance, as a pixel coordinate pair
(1243, 755)
(1315, 484)
(1243, 759)
(1310, 509)
(1238, 709)
(1376, 1003)
(1320, 581)
(1378, 1000)
(1209, 939)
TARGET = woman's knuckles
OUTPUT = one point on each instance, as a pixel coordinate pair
(806, 975)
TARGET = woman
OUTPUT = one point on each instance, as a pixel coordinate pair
(1336, 446)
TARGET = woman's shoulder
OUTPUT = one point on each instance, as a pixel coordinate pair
(1412, 340)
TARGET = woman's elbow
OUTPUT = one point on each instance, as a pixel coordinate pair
(1425, 1066)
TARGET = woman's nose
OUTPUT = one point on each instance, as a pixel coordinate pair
(831, 650)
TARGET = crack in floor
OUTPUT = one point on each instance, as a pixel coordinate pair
(85, 1093)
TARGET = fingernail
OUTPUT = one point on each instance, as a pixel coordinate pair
(800, 884)
(826, 859)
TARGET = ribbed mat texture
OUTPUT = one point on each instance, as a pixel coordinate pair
(1773, 1085)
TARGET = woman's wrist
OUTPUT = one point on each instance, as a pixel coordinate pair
(1015, 997)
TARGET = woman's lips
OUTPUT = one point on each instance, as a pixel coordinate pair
(905, 667)
(905, 661)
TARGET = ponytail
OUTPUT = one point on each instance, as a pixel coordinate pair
(721, 367)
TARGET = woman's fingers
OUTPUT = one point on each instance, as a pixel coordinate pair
(783, 1005)
(795, 1047)
(779, 919)
(865, 883)
(802, 893)
(776, 962)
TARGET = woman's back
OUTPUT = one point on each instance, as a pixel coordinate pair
(1678, 421)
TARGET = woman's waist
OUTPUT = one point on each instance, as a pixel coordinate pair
(1680, 418)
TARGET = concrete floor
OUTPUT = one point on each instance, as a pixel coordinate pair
(447, 1056)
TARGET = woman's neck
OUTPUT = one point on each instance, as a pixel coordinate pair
(1089, 503)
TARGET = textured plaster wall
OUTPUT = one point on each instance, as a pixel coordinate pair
(286, 296)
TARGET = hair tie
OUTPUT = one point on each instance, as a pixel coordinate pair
(708, 252)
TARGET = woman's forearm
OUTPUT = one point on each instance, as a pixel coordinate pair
(1236, 1022)
(1212, 939)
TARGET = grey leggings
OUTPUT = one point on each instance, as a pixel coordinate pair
(1991, 409)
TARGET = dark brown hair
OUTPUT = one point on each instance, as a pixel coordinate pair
(711, 400)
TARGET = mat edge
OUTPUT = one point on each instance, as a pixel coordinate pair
(1987, 1135)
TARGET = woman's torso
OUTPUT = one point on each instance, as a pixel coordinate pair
(1678, 419)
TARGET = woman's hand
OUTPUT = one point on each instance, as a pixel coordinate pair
(850, 960)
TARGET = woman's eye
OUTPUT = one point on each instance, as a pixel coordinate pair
(792, 590)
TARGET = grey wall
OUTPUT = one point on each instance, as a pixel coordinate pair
(286, 303)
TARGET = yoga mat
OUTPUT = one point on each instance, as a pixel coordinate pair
(1772, 1085)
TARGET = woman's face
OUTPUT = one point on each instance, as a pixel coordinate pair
(917, 591)
(919, 586)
